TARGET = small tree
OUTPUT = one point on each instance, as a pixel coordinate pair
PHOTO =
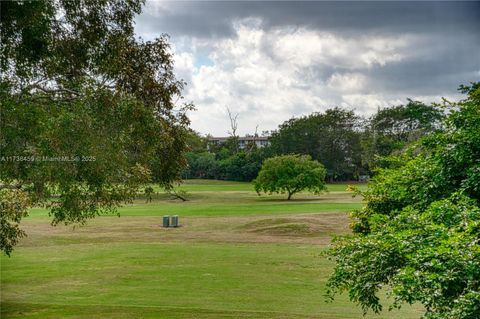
(290, 174)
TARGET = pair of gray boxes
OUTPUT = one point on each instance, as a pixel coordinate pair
(170, 222)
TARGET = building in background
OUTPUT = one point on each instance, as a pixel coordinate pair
(243, 141)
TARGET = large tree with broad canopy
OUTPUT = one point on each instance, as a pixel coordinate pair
(89, 113)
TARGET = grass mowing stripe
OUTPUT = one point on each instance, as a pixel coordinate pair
(237, 263)
(284, 279)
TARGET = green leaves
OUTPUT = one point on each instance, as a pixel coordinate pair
(14, 204)
(331, 138)
(418, 233)
(424, 258)
(290, 174)
(88, 112)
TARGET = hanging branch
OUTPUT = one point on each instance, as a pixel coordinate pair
(177, 193)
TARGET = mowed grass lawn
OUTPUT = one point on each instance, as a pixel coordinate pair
(237, 255)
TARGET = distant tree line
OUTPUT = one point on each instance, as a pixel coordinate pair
(347, 144)
(225, 161)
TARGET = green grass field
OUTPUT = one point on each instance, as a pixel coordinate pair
(237, 255)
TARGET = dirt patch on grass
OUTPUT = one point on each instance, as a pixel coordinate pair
(290, 229)
(306, 228)
(319, 225)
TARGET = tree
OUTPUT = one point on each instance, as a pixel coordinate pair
(201, 165)
(333, 138)
(392, 129)
(290, 174)
(233, 141)
(241, 167)
(88, 112)
(419, 231)
(195, 142)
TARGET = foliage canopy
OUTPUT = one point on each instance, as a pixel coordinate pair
(88, 112)
(419, 231)
(290, 174)
(331, 138)
(391, 129)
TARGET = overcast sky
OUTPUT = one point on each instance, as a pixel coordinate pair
(270, 61)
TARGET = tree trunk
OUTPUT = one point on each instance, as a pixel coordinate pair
(289, 195)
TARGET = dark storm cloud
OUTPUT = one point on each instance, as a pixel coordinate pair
(451, 27)
(438, 49)
(214, 19)
(441, 64)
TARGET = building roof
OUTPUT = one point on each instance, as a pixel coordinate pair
(241, 138)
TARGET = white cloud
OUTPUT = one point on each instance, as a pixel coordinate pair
(269, 76)
(347, 82)
(306, 47)
(366, 103)
(184, 66)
